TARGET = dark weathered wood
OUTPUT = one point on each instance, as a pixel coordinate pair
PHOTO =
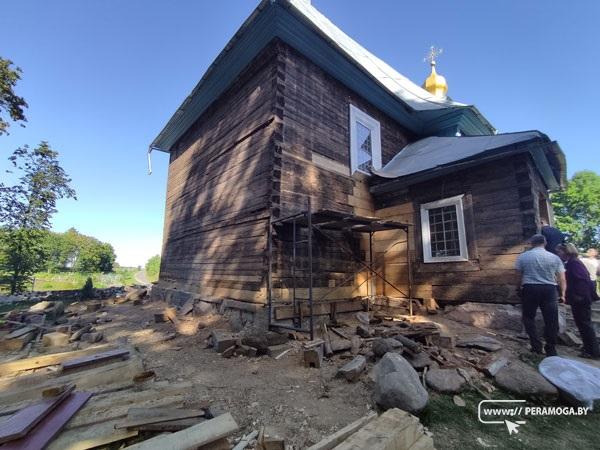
(94, 359)
(20, 423)
(142, 416)
(51, 425)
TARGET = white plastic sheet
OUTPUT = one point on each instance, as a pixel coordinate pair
(581, 381)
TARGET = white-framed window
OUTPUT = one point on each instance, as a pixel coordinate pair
(365, 141)
(443, 231)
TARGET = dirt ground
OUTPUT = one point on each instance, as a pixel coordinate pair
(305, 404)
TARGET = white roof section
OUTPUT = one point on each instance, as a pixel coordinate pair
(412, 94)
(434, 151)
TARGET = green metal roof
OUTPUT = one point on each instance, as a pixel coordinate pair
(301, 26)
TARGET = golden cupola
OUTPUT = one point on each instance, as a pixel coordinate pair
(435, 83)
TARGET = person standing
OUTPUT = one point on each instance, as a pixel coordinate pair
(580, 290)
(541, 272)
(591, 263)
(554, 237)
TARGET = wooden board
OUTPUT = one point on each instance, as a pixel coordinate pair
(339, 436)
(18, 389)
(93, 359)
(99, 435)
(19, 424)
(201, 434)
(144, 416)
(50, 426)
(37, 362)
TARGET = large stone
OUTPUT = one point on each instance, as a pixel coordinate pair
(391, 362)
(354, 369)
(523, 380)
(481, 342)
(446, 381)
(384, 345)
(397, 385)
(485, 315)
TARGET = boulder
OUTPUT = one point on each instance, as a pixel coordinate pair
(391, 362)
(354, 369)
(481, 342)
(384, 345)
(485, 315)
(523, 380)
(446, 381)
(397, 385)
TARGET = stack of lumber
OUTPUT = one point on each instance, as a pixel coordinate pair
(393, 430)
(90, 398)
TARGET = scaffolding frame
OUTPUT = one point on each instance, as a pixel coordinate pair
(320, 222)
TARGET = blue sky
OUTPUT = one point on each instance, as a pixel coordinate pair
(103, 77)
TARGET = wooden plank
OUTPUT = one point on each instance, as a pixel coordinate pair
(20, 332)
(287, 312)
(37, 362)
(143, 416)
(97, 358)
(15, 390)
(341, 435)
(170, 425)
(100, 435)
(51, 425)
(201, 434)
(20, 423)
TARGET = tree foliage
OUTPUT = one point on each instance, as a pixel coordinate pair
(75, 251)
(153, 268)
(577, 209)
(10, 103)
(26, 209)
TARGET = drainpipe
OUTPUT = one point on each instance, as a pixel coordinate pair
(150, 160)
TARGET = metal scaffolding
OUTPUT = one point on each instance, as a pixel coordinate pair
(321, 222)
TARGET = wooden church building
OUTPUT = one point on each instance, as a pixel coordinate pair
(305, 171)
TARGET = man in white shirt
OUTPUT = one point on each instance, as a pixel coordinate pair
(542, 275)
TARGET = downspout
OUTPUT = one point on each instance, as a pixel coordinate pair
(150, 160)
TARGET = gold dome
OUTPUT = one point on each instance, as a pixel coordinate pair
(436, 84)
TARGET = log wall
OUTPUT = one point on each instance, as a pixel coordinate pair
(500, 215)
(220, 190)
(315, 163)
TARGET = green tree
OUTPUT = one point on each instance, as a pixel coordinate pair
(153, 268)
(577, 209)
(10, 103)
(26, 209)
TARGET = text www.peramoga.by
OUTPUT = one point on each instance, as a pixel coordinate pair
(537, 411)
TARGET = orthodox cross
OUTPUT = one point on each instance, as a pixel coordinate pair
(432, 54)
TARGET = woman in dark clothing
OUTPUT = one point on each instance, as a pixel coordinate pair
(579, 297)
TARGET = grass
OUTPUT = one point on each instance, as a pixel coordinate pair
(122, 276)
(458, 428)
